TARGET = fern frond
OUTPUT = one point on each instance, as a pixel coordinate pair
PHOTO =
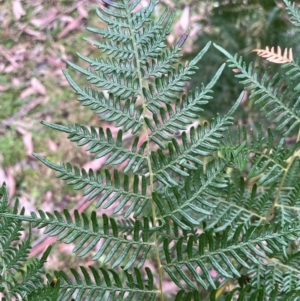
(293, 12)
(239, 208)
(142, 16)
(174, 81)
(31, 278)
(153, 49)
(47, 293)
(162, 64)
(272, 56)
(122, 52)
(185, 111)
(113, 34)
(96, 284)
(3, 198)
(288, 206)
(166, 85)
(266, 93)
(176, 206)
(216, 251)
(118, 22)
(10, 229)
(268, 160)
(86, 234)
(112, 191)
(194, 203)
(109, 66)
(16, 280)
(144, 36)
(203, 141)
(14, 257)
(110, 109)
(261, 293)
(117, 84)
(187, 296)
(102, 146)
(278, 273)
(293, 72)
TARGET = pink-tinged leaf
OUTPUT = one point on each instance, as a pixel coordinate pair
(74, 24)
(46, 19)
(47, 204)
(52, 146)
(184, 20)
(38, 86)
(27, 140)
(181, 26)
(27, 92)
(213, 273)
(82, 11)
(18, 10)
(38, 35)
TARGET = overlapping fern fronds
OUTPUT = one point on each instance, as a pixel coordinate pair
(19, 278)
(175, 195)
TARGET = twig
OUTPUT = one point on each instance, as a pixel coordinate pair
(23, 111)
(9, 58)
(67, 11)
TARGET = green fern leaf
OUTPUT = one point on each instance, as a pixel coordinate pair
(266, 94)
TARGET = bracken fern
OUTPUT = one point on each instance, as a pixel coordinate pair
(209, 206)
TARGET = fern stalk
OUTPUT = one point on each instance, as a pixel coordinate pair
(283, 179)
(149, 163)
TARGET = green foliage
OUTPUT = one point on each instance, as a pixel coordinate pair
(20, 278)
(241, 26)
(206, 206)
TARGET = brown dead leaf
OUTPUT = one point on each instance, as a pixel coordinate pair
(46, 18)
(82, 11)
(55, 62)
(26, 201)
(18, 10)
(275, 56)
(27, 140)
(37, 34)
(35, 87)
(2, 67)
(47, 204)
(184, 20)
(52, 146)
(12, 60)
(26, 92)
(16, 82)
(38, 86)
(70, 27)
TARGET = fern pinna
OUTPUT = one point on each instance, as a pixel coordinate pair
(195, 204)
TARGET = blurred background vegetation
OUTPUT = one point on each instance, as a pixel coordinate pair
(38, 36)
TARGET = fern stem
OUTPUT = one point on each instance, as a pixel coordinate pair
(151, 178)
(275, 203)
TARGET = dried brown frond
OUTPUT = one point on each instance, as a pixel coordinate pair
(273, 57)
